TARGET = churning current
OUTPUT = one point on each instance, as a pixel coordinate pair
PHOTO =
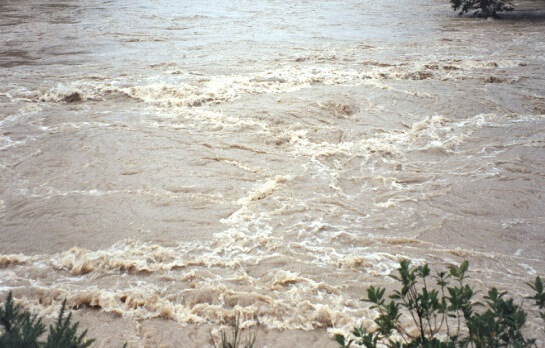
(168, 165)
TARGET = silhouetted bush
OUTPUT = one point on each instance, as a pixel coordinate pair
(20, 329)
(445, 315)
(482, 8)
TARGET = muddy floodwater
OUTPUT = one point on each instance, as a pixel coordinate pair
(166, 165)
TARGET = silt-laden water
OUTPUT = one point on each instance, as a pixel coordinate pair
(165, 164)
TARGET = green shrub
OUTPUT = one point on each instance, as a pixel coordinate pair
(65, 334)
(482, 8)
(445, 315)
(20, 329)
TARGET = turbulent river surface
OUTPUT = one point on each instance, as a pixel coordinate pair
(166, 165)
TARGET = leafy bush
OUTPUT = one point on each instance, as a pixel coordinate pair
(445, 316)
(482, 8)
(20, 329)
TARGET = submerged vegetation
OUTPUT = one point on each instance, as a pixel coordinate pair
(482, 8)
(441, 311)
(235, 339)
(427, 311)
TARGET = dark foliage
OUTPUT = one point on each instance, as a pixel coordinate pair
(235, 339)
(482, 8)
(20, 329)
(446, 315)
(65, 334)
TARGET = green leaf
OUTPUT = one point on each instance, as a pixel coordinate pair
(340, 339)
(539, 285)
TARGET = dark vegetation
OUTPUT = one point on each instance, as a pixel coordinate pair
(445, 313)
(427, 311)
(482, 8)
(20, 329)
(235, 339)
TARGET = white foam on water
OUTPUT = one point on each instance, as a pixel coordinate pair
(287, 78)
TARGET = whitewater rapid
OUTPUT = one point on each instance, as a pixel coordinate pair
(166, 167)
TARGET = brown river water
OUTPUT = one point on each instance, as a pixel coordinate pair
(167, 165)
